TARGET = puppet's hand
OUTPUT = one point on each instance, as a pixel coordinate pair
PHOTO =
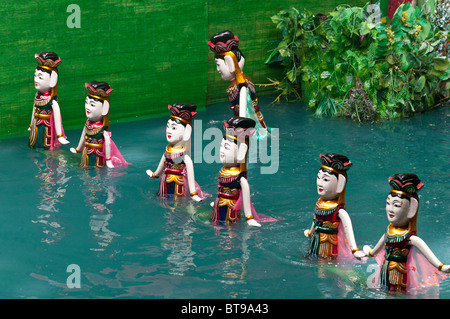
(252, 222)
(367, 250)
(150, 173)
(359, 254)
(446, 268)
(62, 140)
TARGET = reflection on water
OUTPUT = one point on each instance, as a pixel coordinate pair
(52, 171)
(100, 192)
(229, 253)
(179, 238)
(233, 266)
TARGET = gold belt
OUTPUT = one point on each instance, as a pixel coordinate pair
(91, 145)
(42, 116)
(226, 190)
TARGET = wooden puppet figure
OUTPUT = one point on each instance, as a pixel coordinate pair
(46, 129)
(176, 169)
(230, 63)
(405, 260)
(331, 234)
(96, 146)
(233, 189)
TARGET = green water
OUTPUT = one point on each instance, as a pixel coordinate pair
(130, 244)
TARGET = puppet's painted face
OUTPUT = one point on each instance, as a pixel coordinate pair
(41, 81)
(228, 152)
(94, 109)
(327, 185)
(174, 132)
(397, 210)
(223, 70)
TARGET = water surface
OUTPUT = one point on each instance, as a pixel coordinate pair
(130, 244)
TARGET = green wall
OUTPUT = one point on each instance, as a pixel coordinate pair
(152, 53)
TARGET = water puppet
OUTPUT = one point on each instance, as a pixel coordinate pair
(233, 188)
(405, 260)
(331, 234)
(46, 129)
(230, 63)
(176, 169)
(96, 146)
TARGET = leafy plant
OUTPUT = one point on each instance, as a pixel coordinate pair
(411, 67)
(302, 37)
(351, 65)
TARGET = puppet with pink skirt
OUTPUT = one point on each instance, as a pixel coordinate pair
(176, 169)
(96, 146)
(46, 129)
(233, 189)
(405, 261)
(331, 234)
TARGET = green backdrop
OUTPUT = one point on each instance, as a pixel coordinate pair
(152, 53)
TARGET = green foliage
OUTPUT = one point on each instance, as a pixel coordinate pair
(350, 65)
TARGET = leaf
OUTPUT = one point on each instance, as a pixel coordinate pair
(381, 49)
(404, 65)
(445, 76)
(390, 59)
(398, 85)
(437, 73)
(290, 75)
(395, 23)
(380, 26)
(284, 53)
(275, 56)
(435, 43)
(429, 7)
(305, 77)
(441, 63)
(384, 68)
(423, 46)
(385, 81)
(420, 83)
(364, 29)
(413, 61)
(407, 43)
(397, 45)
(325, 75)
(406, 6)
(429, 49)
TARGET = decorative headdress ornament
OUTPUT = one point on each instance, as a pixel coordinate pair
(183, 112)
(406, 184)
(239, 129)
(48, 60)
(224, 43)
(335, 162)
(338, 164)
(98, 90)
